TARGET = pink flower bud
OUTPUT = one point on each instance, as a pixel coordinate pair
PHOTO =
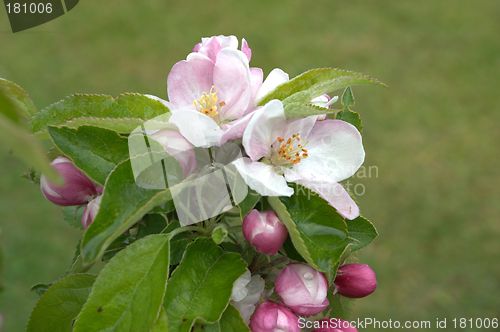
(77, 188)
(264, 231)
(355, 280)
(270, 317)
(302, 289)
(334, 325)
(90, 212)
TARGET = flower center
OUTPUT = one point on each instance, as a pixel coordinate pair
(209, 104)
(288, 152)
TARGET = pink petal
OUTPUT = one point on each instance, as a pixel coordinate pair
(189, 78)
(263, 129)
(245, 48)
(256, 78)
(178, 147)
(231, 78)
(235, 129)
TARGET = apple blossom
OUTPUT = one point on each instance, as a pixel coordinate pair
(302, 289)
(314, 154)
(355, 280)
(264, 231)
(245, 294)
(90, 212)
(77, 188)
(334, 325)
(273, 317)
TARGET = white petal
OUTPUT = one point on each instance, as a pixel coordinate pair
(263, 129)
(335, 151)
(199, 129)
(275, 78)
(262, 178)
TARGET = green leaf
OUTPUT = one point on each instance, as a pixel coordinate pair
(122, 114)
(300, 110)
(15, 107)
(60, 304)
(128, 292)
(348, 98)
(230, 321)
(351, 117)
(15, 103)
(200, 287)
(318, 233)
(161, 324)
(316, 82)
(361, 233)
(73, 215)
(95, 151)
(248, 203)
(123, 204)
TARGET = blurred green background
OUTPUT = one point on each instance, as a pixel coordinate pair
(432, 133)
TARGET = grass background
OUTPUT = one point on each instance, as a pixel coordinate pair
(433, 133)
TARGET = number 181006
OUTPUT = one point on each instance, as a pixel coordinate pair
(29, 8)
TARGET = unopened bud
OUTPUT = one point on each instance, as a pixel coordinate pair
(355, 280)
(264, 231)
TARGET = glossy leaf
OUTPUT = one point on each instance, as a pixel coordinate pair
(60, 304)
(122, 114)
(95, 151)
(123, 204)
(314, 83)
(361, 233)
(230, 321)
(128, 292)
(161, 324)
(318, 233)
(15, 103)
(200, 287)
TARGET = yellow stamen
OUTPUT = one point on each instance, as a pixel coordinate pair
(209, 104)
(290, 151)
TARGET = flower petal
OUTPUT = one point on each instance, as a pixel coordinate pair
(256, 78)
(231, 78)
(199, 129)
(263, 128)
(178, 147)
(275, 78)
(262, 178)
(235, 129)
(245, 48)
(302, 127)
(189, 78)
(336, 196)
(335, 150)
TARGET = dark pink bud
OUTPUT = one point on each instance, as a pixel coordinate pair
(271, 317)
(355, 280)
(264, 231)
(77, 188)
(302, 289)
(334, 325)
(90, 212)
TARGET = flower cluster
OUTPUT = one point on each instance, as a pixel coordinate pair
(290, 246)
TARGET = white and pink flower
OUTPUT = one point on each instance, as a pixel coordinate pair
(315, 154)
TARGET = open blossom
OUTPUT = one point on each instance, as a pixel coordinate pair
(273, 317)
(77, 188)
(245, 294)
(214, 92)
(90, 212)
(355, 280)
(302, 289)
(334, 325)
(264, 231)
(315, 154)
